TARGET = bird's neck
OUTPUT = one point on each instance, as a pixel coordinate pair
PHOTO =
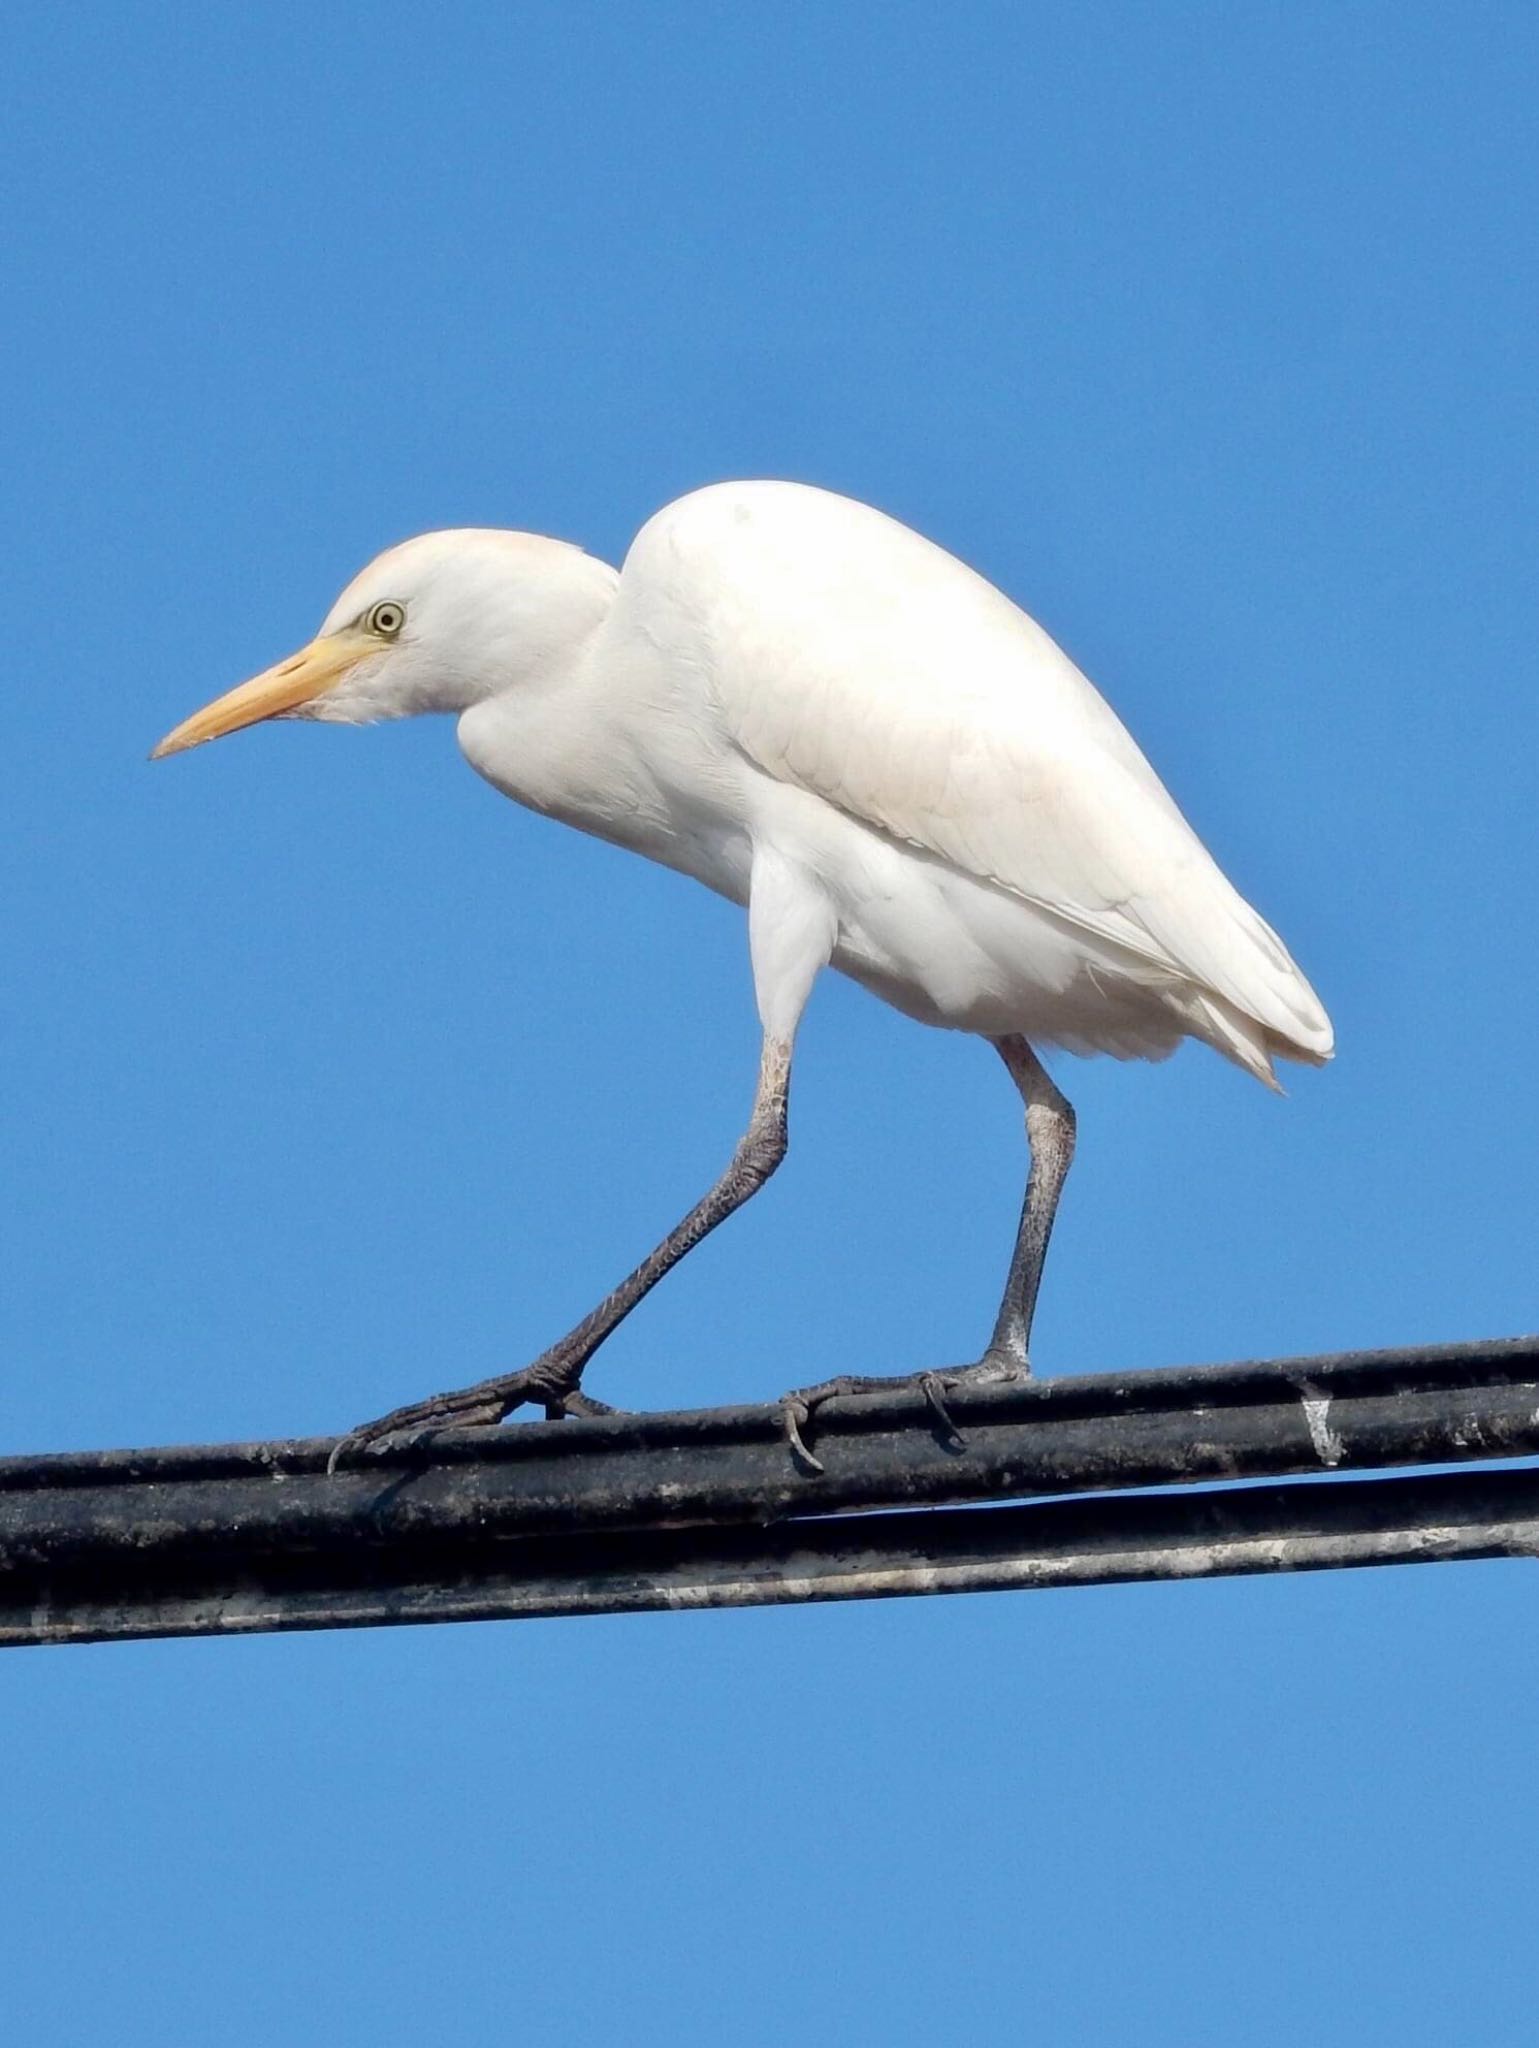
(536, 632)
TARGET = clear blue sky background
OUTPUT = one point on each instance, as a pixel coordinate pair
(1206, 330)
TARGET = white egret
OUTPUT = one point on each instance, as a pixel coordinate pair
(826, 718)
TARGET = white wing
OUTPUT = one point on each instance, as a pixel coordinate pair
(854, 658)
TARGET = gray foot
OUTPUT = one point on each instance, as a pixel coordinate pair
(550, 1382)
(994, 1369)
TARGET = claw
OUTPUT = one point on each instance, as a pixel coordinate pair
(373, 1437)
(797, 1407)
(417, 1425)
(793, 1414)
(933, 1386)
(474, 1408)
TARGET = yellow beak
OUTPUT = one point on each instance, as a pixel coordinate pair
(296, 681)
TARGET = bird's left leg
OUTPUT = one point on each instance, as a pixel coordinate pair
(554, 1378)
(791, 934)
(1050, 1135)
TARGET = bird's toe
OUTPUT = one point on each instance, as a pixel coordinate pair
(995, 1368)
(795, 1413)
(415, 1425)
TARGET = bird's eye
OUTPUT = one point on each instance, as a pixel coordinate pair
(386, 619)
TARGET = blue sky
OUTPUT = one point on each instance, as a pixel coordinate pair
(1207, 331)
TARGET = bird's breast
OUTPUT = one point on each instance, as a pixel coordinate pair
(658, 786)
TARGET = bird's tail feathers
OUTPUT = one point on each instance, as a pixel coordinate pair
(1254, 1045)
(1259, 1007)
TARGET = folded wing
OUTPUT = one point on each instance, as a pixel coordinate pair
(851, 657)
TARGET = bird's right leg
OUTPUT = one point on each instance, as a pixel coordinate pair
(554, 1379)
(1050, 1131)
(1050, 1136)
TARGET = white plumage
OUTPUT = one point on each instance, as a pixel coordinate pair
(824, 716)
(1014, 862)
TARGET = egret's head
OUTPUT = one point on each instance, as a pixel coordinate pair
(436, 624)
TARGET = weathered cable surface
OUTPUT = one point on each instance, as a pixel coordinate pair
(707, 1509)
